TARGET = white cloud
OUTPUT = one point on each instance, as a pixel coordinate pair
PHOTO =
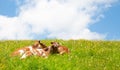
(62, 19)
(12, 28)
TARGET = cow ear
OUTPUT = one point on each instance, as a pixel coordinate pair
(39, 41)
(51, 42)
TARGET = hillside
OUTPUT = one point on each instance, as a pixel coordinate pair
(84, 55)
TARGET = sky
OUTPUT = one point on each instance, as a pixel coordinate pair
(59, 19)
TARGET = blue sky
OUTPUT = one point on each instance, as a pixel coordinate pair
(109, 25)
(8, 8)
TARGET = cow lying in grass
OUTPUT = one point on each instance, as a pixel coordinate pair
(35, 49)
(56, 48)
(37, 52)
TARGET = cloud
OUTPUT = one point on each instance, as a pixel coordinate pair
(12, 28)
(62, 19)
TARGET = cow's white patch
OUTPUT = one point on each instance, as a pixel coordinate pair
(21, 52)
(40, 51)
(32, 50)
(24, 56)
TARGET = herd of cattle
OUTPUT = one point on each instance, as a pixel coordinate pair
(40, 49)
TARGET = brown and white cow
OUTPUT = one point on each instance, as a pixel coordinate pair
(36, 52)
(35, 49)
(57, 48)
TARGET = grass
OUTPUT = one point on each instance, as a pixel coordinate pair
(85, 55)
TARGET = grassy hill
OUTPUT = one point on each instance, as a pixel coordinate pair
(85, 55)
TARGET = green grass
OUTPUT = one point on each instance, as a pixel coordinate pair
(85, 55)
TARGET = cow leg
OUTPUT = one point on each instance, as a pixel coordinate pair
(27, 54)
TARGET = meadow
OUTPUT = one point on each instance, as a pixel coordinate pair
(84, 55)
